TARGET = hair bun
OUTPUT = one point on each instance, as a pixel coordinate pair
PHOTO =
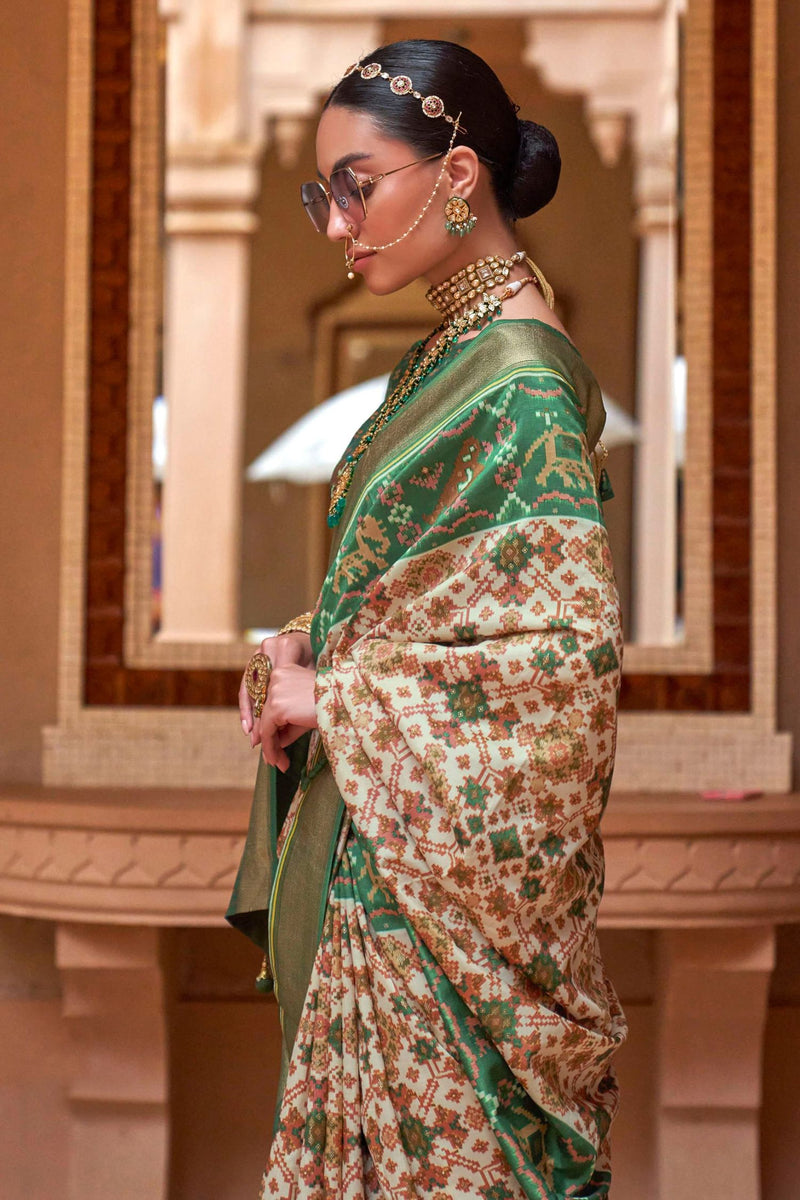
(536, 170)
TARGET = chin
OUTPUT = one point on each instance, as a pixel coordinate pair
(382, 276)
(383, 287)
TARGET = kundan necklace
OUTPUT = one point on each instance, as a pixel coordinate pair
(450, 299)
(471, 281)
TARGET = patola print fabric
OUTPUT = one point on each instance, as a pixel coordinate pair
(455, 1036)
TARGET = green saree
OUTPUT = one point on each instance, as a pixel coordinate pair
(433, 889)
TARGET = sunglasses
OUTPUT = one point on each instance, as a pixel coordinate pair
(347, 191)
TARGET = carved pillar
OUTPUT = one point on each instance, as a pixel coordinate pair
(638, 99)
(654, 495)
(211, 181)
(712, 1007)
(234, 79)
(114, 1005)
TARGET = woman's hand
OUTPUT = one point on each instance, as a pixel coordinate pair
(281, 650)
(289, 709)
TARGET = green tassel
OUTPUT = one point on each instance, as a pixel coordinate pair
(604, 487)
(265, 984)
(461, 228)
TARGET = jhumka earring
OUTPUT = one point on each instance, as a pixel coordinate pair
(459, 218)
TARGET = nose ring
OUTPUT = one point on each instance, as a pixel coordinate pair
(350, 254)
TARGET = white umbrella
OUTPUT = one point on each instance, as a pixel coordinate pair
(620, 428)
(309, 450)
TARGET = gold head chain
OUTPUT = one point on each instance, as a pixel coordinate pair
(433, 107)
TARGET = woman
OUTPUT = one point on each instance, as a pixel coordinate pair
(432, 890)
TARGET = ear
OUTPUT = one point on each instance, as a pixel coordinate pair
(463, 170)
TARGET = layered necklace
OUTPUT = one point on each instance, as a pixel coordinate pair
(466, 304)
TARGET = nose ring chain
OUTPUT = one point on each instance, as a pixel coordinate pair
(350, 258)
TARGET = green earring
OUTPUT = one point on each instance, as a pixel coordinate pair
(459, 219)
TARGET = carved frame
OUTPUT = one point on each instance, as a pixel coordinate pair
(124, 723)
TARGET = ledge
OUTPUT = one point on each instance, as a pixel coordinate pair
(678, 860)
(149, 856)
(130, 856)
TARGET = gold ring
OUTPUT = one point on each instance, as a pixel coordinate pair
(256, 679)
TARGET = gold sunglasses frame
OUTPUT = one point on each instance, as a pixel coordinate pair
(360, 184)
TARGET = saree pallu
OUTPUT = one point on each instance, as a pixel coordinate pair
(448, 1024)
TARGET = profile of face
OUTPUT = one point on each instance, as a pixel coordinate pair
(348, 137)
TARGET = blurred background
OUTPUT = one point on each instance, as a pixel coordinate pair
(169, 316)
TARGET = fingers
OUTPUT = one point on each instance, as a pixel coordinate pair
(284, 650)
(245, 707)
(275, 731)
(273, 753)
(290, 733)
(289, 708)
(255, 733)
(268, 647)
(266, 732)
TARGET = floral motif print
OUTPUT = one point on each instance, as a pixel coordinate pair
(458, 1027)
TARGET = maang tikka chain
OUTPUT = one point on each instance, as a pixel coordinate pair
(401, 85)
(433, 107)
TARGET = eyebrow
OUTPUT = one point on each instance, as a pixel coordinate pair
(347, 160)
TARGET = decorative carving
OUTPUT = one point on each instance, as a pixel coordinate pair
(176, 864)
(108, 871)
(705, 865)
(288, 133)
(92, 859)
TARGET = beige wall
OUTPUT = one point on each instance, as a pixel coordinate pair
(32, 97)
(222, 1040)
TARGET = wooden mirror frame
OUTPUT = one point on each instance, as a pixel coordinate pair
(741, 382)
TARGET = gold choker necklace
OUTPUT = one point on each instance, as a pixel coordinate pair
(472, 281)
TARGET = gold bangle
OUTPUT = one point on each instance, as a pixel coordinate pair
(301, 624)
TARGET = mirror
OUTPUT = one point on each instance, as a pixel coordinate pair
(707, 699)
(258, 324)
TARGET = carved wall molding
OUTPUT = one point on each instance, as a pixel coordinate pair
(573, 51)
(151, 857)
(145, 857)
(674, 880)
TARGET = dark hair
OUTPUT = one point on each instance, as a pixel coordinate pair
(522, 156)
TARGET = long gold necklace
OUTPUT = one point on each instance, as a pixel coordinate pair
(422, 362)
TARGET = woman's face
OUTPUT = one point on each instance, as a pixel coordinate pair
(346, 137)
